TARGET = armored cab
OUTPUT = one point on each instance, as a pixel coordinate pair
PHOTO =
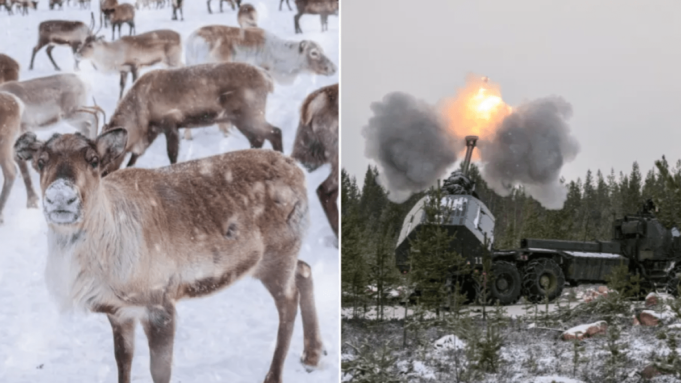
(468, 221)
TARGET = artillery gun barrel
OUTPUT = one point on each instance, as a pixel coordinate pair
(470, 144)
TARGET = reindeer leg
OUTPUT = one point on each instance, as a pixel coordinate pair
(74, 49)
(9, 172)
(160, 330)
(132, 27)
(288, 4)
(134, 72)
(296, 19)
(281, 284)
(187, 134)
(133, 159)
(224, 128)
(274, 137)
(124, 345)
(325, 22)
(49, 54)
(124, 79)
(172, 141)
(327, 193)
(35, 50)
(312, 353)
(32, 198)
(209, 10)
(281, 3)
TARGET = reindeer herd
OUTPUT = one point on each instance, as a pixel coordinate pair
(130, 243)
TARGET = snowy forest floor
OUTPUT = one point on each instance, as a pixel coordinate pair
(226, 337)
(531, 351)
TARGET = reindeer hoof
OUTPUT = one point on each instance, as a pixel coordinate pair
(311, 361)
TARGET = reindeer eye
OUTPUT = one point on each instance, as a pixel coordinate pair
(314, 54)
(94, 162)
(41, 164)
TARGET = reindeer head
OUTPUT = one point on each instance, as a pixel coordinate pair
(89, 47)
(70, 168)
(316, 61)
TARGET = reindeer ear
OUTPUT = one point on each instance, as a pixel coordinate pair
(26, 146)
(110, 145)
(302, 46)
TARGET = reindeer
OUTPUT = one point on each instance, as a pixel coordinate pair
(283, 60)
(133, 243)
(40, 103)
(231, 2)
(85, 4)
(61, 32)
(281, 3)
(9, 69)
(164, 100)
(323, 8)
(122, 13)
(24, 5)
(177, 6)
(106, 8)
(316, 144)
(130, 53)
(248, 16)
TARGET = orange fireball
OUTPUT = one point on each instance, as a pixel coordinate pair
(476, 110)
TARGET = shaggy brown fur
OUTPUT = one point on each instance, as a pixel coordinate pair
(165, 100)
(316, 144)
(9, 69)
(323, 8)
(145, 238)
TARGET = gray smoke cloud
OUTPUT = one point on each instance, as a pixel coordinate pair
(410, 142)
(530, 148)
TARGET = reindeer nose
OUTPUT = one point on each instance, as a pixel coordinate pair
(61, 195)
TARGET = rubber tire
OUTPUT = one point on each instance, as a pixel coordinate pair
(535, 269)
(511, 294)
(673, 282)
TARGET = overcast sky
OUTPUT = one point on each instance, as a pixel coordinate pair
(617, 62)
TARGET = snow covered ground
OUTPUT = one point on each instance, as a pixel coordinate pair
(227, 337)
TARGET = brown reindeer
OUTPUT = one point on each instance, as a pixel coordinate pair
(106, 8)
(323, 8)
(56, 3)
(316, 144)
(164, 100)
(248, 16)
(9, 69)
(61, 32)
(11, 109)
(24, 5)
(129, 53)
(133, 243)
(122, 14)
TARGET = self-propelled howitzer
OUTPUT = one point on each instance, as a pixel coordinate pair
(540, 268)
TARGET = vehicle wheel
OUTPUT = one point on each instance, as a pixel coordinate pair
(543, 277)
(505, 286)
(674, 280)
